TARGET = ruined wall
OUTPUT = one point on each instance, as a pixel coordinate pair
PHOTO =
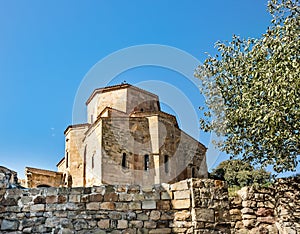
(42, 178)
(189, 206)
(275, 209)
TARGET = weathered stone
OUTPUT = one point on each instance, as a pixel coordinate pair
(74, 198)
(142, 216)
(163, 205)
(96, 198)
(104, 224)
(149, 205)
(185, 194)
(110, 197)
(107, 206)
(264, 212)
(150, 224)
(181, 204)
(39, 200)
(38, 207)
(135, 206)
(267, 219)
(166, 195)
(249, 222)
(182, 185)
(52, 222)
(247, 211)
(93, 206)
(249, 216)
(51, 199)
(155, 215)
(9, 225)
(136, 224)
(160, 231)
(205, 215)
(182, 215)
(122, 224)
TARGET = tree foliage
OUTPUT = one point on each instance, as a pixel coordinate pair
(252, 88)
(239, 173)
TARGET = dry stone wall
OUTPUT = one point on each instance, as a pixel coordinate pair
(275, 209)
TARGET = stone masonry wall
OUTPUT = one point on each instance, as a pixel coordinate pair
(109, 209)
(189, 206)
(275, 209)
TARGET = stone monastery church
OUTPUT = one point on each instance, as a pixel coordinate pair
(127, 140)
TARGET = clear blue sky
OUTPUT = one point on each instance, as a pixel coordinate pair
(46, 48)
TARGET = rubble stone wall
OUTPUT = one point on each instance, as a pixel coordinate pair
(189, 206)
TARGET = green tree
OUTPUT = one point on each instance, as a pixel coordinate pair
(252, 88)
(239, 173)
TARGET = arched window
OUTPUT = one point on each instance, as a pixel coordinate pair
(166, 162)
(146, 162)
(124, 160)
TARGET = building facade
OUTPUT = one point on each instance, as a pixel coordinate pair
(127, 140)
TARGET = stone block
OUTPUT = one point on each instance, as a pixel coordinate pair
(169, 215)
(264, 212)
(181, 204)
(138, 197)
(111, 197)
(136, 224)
(150, 224)
(125, 197)
(135, 205)
(163, 205)
(9, 225)
(39, 200)
(122, 224)
(179, 230)
(204, 215)
(247, 211)
(121, 206)
(149, 205)
(38, 207)
(249, 223)
(166, 195)
(182, 215)
(95, 198)
(93, 206)
(268, 219)
(152, 196)
(182, 185)
(107, 206)
(184, 194)
(160, 231)
(155, 215)
(74, 198)
(51, 199)
(133, 189)
(142, 216)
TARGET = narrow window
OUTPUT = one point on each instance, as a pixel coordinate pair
(92, 118)
(124, 160)
(93, 162)
(146, 162)
(193, 173)
(166, 164)
(67, 159)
